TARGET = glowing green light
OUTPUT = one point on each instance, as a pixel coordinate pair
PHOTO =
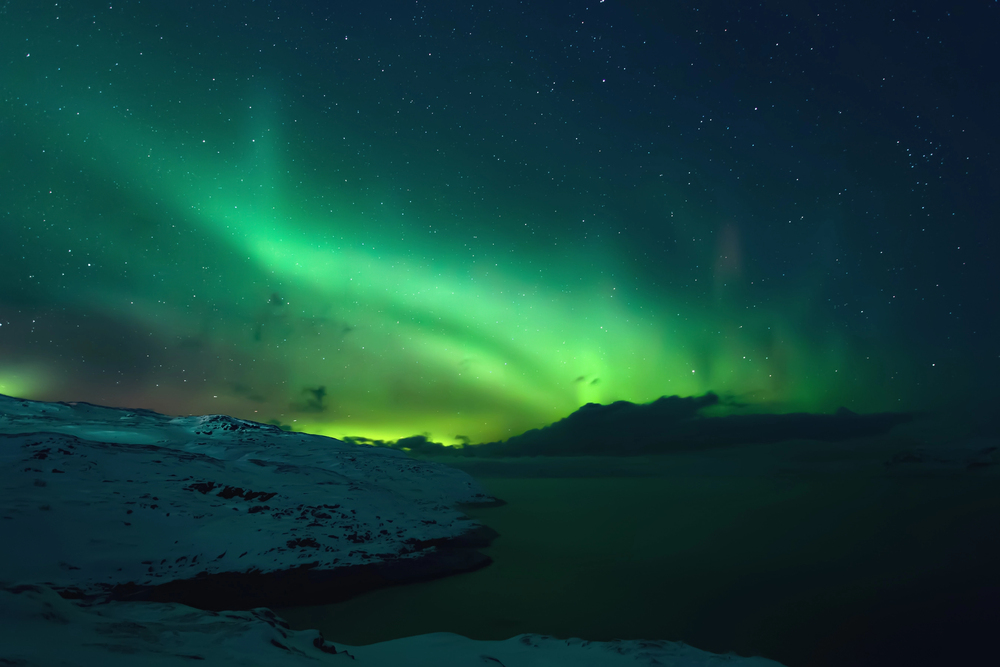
(403, 334)
(21, 383)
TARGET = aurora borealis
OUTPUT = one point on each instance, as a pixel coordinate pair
(469, 220)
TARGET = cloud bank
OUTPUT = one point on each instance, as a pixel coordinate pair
(670, 423)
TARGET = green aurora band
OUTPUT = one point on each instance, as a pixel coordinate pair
(311, 262)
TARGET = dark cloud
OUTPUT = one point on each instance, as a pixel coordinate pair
(313, 401)
(416, 444)
(419, 444)
(670, 423)
(361, 440)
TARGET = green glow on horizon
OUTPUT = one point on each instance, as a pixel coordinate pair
(21, 383)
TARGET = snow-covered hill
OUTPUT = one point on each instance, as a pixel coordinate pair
(38, 628)
(112, 518)
(218, 512)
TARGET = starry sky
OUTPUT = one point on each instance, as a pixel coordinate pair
(467, 220)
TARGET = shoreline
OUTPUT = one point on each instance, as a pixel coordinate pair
(797, 570)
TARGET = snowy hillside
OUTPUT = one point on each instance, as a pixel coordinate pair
(111, 518)
(122, 634)
(218, 512)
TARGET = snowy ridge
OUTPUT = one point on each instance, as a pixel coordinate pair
(100, 501)
(121, 634)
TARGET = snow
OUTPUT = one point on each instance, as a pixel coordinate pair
(112, 518)
(122, 634)
(97, 498)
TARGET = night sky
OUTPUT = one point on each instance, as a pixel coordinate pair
(468, 220)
